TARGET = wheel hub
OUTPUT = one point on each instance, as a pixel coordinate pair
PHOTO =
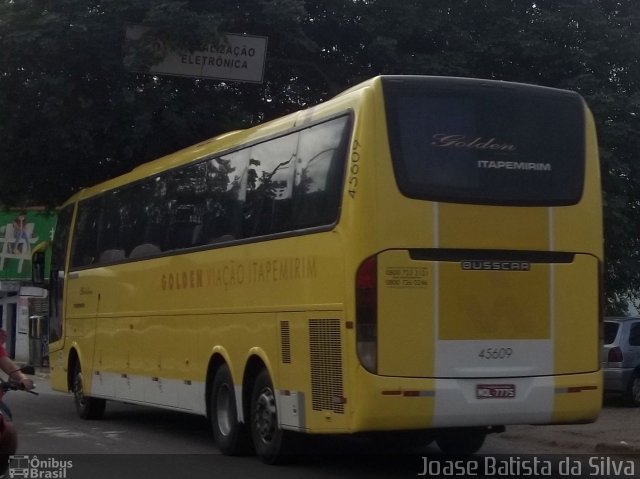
(265, 417)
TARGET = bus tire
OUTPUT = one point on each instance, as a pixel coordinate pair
(461, 441)
(87, 407)
(231, 436)
(271, 443)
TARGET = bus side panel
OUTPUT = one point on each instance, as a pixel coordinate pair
(292, 370)
(159, 321)
(406, 305)
(58, 370)
(579, 227)
(576, 325)
(578, 398)
(112, 358)
(312, 372)
(81, 305)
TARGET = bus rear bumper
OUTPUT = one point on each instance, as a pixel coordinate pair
(407, 403)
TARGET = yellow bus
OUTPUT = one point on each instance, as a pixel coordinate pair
(417, 255)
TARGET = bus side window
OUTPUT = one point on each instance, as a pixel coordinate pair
(269, 186)
(141, 218)
(317, 190)
(185, 197)
(112, 255)
(226, 183)
(110, 244)
(84, 250)
(143, 250)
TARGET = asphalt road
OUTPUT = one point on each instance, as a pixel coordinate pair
(140, 442)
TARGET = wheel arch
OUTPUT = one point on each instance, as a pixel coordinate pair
(218, 358)
(255, 363)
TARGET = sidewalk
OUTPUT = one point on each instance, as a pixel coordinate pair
(617, 431)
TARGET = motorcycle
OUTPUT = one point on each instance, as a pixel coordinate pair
(8, 433)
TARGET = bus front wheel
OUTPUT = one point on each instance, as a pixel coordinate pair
(231, 436)
(87, 407)
(271, 442)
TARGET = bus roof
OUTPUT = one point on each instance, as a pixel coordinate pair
(229, 140)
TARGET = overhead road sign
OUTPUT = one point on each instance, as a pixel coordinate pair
(235, 57)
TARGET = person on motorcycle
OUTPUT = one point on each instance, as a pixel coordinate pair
(9, 367)
(8, 433)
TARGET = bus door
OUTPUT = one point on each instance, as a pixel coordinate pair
(96, 242)
(57, 292)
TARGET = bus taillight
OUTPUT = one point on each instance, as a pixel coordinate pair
(367, 314)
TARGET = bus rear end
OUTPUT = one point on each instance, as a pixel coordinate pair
(480, 303)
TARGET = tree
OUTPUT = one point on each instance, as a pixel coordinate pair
(73, 113)
(588, 46)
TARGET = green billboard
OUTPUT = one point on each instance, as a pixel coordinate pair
(22, 231)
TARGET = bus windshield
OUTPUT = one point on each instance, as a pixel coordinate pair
(485, 144)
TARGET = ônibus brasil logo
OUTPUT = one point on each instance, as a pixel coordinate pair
(33, 467)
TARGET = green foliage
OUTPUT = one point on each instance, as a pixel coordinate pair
(72, 111)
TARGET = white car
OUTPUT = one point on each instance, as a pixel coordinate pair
(621, 357)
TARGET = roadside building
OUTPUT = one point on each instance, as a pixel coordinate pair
(23, 306)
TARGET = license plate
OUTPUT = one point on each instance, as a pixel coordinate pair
(495, 391)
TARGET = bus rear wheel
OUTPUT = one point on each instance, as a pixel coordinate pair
(272, 444)
(87, 407)
(461, 441)
(231, 436)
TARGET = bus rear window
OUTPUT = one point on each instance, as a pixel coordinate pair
(485, 142)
